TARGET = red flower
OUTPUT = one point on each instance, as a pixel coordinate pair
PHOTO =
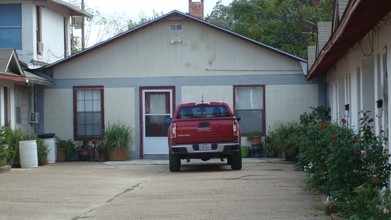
(325, 126)
(344, 120)
(357, 153)
(334, 137)
(356, 140)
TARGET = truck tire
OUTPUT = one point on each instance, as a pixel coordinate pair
(229, 160)
(174, 162)
(236, 161)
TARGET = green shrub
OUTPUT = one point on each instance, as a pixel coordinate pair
(283, 140)
(351, 168)
(9, 145)
(117, 135)
(68, 145)
(42, 153)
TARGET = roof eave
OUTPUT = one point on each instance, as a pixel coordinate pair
(74, 11)
(353, 27)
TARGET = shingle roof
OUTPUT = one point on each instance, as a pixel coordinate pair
(10, 69)
(5, 56)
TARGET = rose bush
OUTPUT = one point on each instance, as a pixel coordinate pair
(351, 167)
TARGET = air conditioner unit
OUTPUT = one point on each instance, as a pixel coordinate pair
(33, 117)
(39, 47)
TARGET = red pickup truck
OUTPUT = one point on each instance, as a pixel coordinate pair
(203, 131)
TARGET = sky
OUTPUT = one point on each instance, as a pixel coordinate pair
(133, 8)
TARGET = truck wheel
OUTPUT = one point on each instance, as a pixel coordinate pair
(229, 160)
(175, 162)
(236, 161)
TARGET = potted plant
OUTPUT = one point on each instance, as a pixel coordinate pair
(84, 149)
(65, 148)
(255, 139)
(118, 138)
(102, 150)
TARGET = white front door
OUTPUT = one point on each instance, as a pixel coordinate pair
(157, 105)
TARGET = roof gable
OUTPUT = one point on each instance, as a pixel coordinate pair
(174, 15)
(11, 69)
(9, 62)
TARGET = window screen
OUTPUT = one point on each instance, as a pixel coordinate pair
(249, 105)
(89, 116)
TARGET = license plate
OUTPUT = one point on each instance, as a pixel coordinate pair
(205, 147)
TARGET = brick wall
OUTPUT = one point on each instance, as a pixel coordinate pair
(196, 8)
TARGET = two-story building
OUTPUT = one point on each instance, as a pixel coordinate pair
(32, 34)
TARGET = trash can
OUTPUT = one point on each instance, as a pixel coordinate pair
(49, 140)
(28, 153)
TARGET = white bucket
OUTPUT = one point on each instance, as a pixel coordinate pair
(28, 153)
(50, 144)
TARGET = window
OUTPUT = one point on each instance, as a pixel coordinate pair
(203, 111)
(175, 33)
(157, 107)
(10, 26)
(88, 111)
(18, 106)
(249, 104)
(175, 27)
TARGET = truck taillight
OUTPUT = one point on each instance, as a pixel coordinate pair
(235, 128)
(173, 130)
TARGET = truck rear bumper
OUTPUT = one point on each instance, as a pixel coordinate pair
(224, 148)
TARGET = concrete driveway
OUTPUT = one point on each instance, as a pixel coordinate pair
(145, 189)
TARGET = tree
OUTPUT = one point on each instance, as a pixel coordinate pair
(288, 25)
(221, 16)
(143, 18)
(101, 27)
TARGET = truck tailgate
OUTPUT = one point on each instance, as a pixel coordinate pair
(205, 130)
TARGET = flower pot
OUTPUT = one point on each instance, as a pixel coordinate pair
(245, 150)
(84, 154)
(5, 168)
(118, 154)
(61, 154)
(255, 140)
(102, 157)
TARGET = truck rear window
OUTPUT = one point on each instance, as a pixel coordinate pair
(203, 111)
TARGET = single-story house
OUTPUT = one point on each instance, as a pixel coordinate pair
(139, 76)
